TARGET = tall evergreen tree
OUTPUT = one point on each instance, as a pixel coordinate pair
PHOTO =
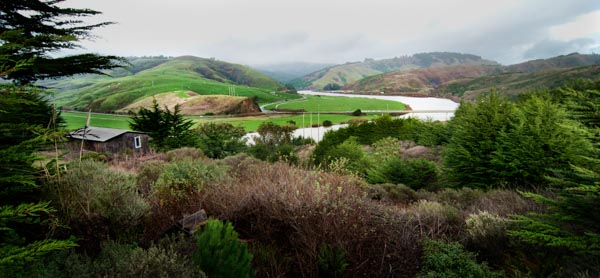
(29, 31)
(475, 131)
(32, 29)
(168, 129)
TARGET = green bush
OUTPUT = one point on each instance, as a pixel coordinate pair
(220, 253)
(182, 177)
(357, 113)
(148, 174)
(487, 234)
(90, 189)
(332, 262)
(120, 260)
(443, 259)
(415, 173)
(327, 123)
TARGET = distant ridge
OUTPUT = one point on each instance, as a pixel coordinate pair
(470, 80)
(348, 73)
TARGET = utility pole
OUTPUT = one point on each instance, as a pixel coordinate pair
(318, 123)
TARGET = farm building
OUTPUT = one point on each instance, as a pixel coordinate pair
(111, 140)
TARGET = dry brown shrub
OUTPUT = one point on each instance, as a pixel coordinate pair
(184, 153)
(298, 211)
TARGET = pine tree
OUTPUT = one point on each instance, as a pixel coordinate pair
(220, 253)
(168, 129)
(29, 31)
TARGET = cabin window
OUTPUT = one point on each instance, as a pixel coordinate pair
(137, 141)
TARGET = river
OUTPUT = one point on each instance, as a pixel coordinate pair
(416, 103)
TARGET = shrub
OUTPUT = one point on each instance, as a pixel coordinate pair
(148, 174)
(332, 262)
(270, 261)
(327, 123)
(443, 259)
(220, 253)
(416, 173)
(91, 194)
(357, 113)
(487, 234)
(182, 177)
(434, 219)
(121, 260)
(396, 193)
(299, 210)
(184, 153)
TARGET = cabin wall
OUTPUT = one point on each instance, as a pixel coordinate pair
(120, 144)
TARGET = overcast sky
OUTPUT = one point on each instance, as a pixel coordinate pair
(338, 31)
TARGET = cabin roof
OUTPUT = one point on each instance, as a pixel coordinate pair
(98, 134)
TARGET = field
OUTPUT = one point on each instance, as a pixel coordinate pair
(338, 104)
(76, 120)
(202, 76)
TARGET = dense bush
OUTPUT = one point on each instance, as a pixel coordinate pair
(122, 260)
(218, 140)
(184, 153)
(182, 177)
(220, 253)
(443, 259)
(415, 173)
(298, 211)
(97, 200)
(332, 262)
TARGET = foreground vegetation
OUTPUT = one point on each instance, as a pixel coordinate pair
(503, 189)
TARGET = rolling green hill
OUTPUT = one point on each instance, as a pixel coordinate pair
(351, 72)
(147, 77)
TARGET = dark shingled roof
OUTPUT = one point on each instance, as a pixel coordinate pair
(97, 134)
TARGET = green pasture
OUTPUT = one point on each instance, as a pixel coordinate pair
(337, 104)
(76, 120)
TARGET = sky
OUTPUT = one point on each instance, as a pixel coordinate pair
(257, 32)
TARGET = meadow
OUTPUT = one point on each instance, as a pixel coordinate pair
(337, 104)
(75, 120)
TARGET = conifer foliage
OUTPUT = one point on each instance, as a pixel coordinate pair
(29, 31)
(220, 253)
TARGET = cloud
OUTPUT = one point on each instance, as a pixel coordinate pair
(264, 31)
(549, 48)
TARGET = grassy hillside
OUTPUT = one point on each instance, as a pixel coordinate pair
(191, 103)
(420, 81)
(560, 62)
(458, 79)
(351, 72)
(338, 104)
(516, 82)
(201, 76)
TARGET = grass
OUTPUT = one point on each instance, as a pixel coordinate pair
(338, 104)
(111, 94)
(75, 120)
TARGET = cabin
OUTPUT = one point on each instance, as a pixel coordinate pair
(111, 140)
